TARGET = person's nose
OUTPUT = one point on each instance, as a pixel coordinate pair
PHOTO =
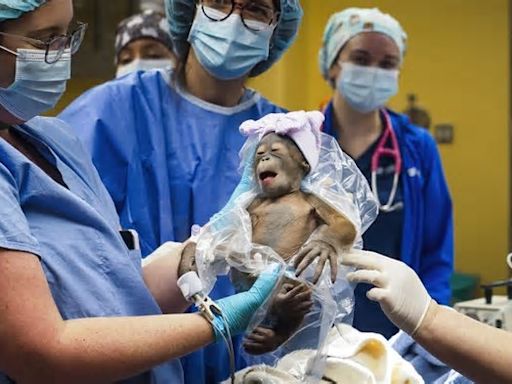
(238, 6)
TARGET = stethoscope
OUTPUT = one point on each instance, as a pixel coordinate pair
(392, 151)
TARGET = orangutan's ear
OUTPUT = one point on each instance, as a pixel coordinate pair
(306, 167)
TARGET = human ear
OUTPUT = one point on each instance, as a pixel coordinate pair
(332, 75)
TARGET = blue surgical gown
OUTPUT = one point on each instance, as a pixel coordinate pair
(75, 233)
(169, 160)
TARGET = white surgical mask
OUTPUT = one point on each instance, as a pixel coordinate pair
(37, 86)
(367, 88)
(165, 65)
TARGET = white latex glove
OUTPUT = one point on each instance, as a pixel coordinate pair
(398, 289)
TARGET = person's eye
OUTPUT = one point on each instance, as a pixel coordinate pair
(154, 55)
(388, 65)
(125, 60)
(259, 10)
(360, 60)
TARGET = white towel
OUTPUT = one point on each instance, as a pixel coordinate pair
(352, 357)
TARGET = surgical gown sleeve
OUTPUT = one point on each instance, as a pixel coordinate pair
(14, 229)
(436, 262)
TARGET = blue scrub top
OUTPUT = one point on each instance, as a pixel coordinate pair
(383, 236)
(426, 239)
(75, 233)
(169, 160)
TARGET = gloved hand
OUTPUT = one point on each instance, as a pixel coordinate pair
(239, 309)
(398, 289)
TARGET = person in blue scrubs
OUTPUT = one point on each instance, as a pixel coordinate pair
(77, 306)
(167, 151)
(361, 56)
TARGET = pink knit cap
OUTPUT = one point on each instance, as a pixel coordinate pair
(302, 127)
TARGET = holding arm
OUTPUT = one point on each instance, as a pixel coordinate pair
(160, 272)
(335, 233)
(38, 346)
(478, 351)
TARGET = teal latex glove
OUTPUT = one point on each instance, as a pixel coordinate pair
(239, 309)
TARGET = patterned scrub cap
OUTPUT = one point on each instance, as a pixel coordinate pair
(344, 25)
(146, 24)
(13, 9)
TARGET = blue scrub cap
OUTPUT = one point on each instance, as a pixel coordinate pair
(13, 9)
(344, 25)
(181, 13)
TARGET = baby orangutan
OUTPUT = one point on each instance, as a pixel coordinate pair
(298, 226)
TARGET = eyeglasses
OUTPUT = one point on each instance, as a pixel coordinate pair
(255, 15)
(54, 48)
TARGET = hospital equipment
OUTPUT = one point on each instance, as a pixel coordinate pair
(193, 291)
(494, 310)
(394, 152)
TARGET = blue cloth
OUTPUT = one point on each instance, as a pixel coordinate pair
(431, 369)
(384, 236)
(13, 9)
(75, 233)
(427, 231)
(169, 160)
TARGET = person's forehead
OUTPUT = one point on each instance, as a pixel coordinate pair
(268, 3)
(144, 43)
(373, 42)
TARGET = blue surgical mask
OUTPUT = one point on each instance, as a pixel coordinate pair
(228, 49)
(367, 88)
(37, 86)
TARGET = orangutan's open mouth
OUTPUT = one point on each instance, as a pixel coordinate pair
(267, 177)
